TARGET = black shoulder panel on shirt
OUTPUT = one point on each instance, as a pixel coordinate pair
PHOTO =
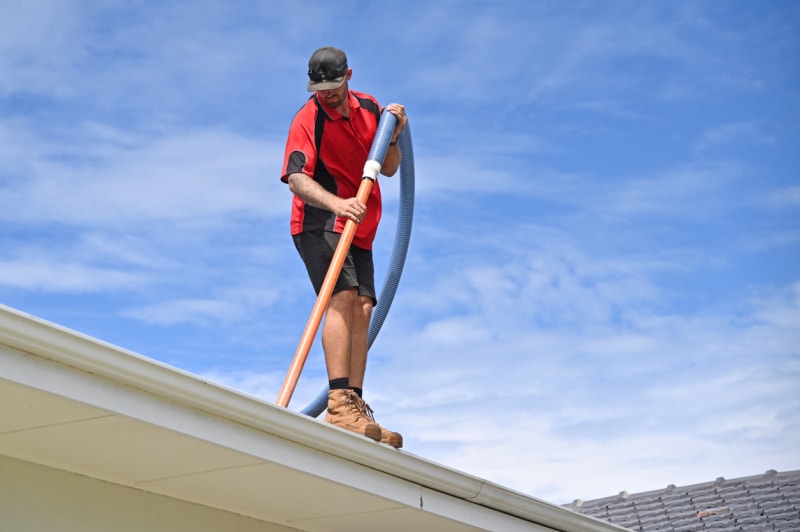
(371, 106)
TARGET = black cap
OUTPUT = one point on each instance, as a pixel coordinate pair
(327, 69)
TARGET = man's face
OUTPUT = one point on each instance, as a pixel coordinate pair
(335, 97)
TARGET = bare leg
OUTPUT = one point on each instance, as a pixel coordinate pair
(359, 340)
(336, 333)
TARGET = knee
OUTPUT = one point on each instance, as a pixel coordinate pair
(344, 300)
(363, 308)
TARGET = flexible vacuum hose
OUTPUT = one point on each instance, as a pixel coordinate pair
(402, 235)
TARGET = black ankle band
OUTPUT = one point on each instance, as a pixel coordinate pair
(359, 391)
(342, 383)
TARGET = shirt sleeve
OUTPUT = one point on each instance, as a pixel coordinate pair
(301, 153)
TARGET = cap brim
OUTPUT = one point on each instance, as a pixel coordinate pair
(325, 85)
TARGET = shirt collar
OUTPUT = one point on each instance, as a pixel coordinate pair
(332, 113)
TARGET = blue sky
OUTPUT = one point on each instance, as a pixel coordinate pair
(602, 291)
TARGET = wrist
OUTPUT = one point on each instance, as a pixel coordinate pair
(393, 142)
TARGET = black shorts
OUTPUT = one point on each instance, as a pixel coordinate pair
(316, 248)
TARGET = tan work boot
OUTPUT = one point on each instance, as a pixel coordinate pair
(395, 439)
(344, 410)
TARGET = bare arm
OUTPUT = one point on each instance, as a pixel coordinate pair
(391, 162)
(394, 155)
(314, 194)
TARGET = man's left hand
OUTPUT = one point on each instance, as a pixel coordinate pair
(400, 113)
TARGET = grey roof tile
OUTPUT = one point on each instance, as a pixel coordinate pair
(752, 504)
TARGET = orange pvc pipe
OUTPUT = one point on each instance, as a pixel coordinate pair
(321, 304)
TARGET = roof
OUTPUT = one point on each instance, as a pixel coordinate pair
(763, 502)
(76, 404)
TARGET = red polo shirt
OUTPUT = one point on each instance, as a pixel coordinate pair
(335, 159)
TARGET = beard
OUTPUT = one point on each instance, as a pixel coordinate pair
(335, 98)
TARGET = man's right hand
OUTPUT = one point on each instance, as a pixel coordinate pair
(350, 208)
(312, 193)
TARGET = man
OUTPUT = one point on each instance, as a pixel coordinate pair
(329, 142)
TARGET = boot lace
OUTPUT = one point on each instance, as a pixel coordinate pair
(366, 410)
(354, 404)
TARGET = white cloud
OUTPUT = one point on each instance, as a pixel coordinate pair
(579, 424)
(193, 175)
(732, 135)
(46, 275)
(187, 310)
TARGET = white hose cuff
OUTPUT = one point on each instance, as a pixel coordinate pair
(371, 169)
